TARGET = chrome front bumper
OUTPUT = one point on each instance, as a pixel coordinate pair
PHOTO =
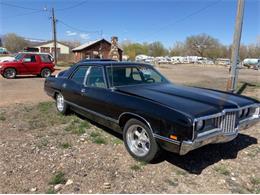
(217, 136)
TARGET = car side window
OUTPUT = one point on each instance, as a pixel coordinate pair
(96, 78)
(79, 75)
(45, 58)
(30, 58)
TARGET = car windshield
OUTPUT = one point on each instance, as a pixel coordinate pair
(133, 75)
(18, 57)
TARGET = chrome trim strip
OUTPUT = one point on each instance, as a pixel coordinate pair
(223, 112)
(166, 139)
(219, 130)
(92, 112)
(109, 118)
(136, 116)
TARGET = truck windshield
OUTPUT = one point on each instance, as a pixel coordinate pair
(133, 75)
(18, 57)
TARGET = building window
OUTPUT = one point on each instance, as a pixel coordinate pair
(45, 49)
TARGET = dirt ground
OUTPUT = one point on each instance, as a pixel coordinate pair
(44, 152)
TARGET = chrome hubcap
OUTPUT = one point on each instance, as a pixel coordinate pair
(138, 140)
(60, 102)
(10, 73)
(46, 73)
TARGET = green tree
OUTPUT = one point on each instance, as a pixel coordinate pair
(157, 49)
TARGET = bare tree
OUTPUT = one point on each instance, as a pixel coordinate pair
(14, 43)
(201, 44)
(178, 49)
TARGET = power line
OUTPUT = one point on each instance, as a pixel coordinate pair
(24, 14)
(187, 16)
(74, 28)
(73, 6)
(18, 6)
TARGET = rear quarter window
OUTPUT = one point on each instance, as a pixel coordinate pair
(46, 58)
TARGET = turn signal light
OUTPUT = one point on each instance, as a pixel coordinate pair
(173, 137)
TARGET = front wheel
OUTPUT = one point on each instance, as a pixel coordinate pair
(139, 141)
(61, 105)
(46, 72)
(9, 73)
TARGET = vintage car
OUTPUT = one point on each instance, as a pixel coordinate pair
(151, 112)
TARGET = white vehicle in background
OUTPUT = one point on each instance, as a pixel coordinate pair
(223, 61)
(163, 60)
(7, 59)
(176, 59)
(141, 58)
(149, 59)
(251, 62)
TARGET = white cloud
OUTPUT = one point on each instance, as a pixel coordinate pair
(84, 36)
(70, 33)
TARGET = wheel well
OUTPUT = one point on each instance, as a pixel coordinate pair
(126, 117)
(11, 68)
(55, 94)
(45, 68)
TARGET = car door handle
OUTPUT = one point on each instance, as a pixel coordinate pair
(83, 90)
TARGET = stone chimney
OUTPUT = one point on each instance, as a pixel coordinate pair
(113, 54)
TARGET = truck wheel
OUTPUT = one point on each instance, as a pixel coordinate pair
(9, 73)
(139, 141)
(46, 72)
(61, 105)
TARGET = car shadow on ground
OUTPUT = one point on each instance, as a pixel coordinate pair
(197, 160)
(27, 77)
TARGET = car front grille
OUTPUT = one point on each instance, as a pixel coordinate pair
(227, 123)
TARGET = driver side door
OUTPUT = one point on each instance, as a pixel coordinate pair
(30, 64)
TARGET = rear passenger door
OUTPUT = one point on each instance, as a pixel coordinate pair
(71, 88)
(95, 92)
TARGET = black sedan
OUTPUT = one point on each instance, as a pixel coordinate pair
(151, 112)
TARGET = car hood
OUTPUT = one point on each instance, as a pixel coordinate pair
(193, 101)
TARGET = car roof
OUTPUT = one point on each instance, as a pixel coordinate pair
(36, 53)
(111, 63)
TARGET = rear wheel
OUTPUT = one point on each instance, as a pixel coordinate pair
(139, 141)
(46, 72)
(61, 105)
(9, 73)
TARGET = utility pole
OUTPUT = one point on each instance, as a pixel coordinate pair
(232, 81)
(54, 36)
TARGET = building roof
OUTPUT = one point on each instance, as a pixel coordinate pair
(90, 43)
(47, 42)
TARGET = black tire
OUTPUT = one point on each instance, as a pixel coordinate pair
(9, 73)
(46, 72)
(153, 151)
(65, 108)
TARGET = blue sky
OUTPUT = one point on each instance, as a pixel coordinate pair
(167, 21)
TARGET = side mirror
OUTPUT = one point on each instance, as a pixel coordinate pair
(26, 60)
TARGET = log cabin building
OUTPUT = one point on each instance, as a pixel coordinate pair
(95, 49)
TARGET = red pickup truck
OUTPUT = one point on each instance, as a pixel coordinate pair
(28, 63)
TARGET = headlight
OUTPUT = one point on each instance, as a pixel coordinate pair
(200, 125)
(257, 112)
(56, 75)
(1, 66)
